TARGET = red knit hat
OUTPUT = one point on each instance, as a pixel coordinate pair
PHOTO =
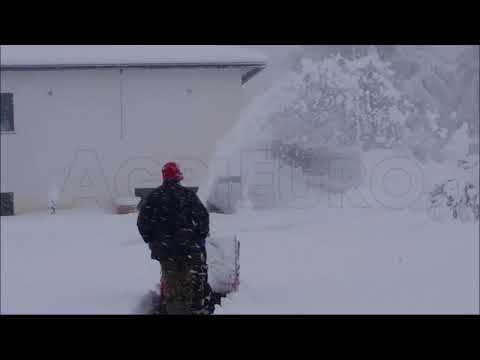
(171, 171)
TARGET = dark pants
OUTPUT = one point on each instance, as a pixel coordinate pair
(186, 289)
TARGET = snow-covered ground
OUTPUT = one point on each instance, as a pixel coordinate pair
(316, 261)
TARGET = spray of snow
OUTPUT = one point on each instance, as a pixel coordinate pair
(248, 142)
(347, 109)
(246, 136)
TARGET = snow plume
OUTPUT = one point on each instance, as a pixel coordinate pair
(305, 111)
(247, 135)
(318, 127)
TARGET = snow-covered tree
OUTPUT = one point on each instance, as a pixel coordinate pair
(341, 103)
(466, 103)
(456, 194)
(361, 98)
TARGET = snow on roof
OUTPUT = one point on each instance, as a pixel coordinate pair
(78, 56)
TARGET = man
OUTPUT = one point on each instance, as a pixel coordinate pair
(175, 224)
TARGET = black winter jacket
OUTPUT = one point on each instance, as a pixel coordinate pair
(173, 221)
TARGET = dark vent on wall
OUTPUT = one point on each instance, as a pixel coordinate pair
(6, 200)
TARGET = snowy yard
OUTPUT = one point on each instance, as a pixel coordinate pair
(317, 261)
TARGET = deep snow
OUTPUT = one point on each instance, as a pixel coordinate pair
(312, 261)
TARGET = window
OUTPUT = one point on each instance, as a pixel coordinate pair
(6, 112)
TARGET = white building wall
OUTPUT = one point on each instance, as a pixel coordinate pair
(99, 133)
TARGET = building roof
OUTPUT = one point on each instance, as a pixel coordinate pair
(38, 57)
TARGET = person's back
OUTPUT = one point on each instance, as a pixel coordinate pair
(172, 212)
(174, 223)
